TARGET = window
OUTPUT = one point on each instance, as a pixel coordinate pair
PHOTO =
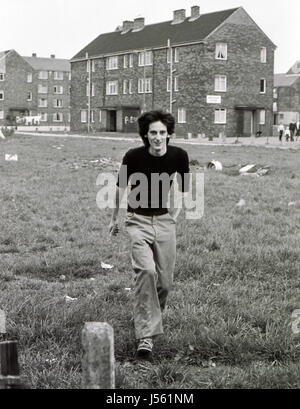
(100, 116)
(1, 114)
(57, 103)
(125, 86)
(125, 61)
(275, 93)
(58, 89)
(262, 117)
(93, 89)
(176, 56)
(181, 115)
(112, 88)
(70, 76)
(58, 75)
(1, 95)
(29, 77)
(220, 116)
(83, 116)
(145, 58)
(275, 107)
(92, 116)
(43, 102)
(43, 75)
(145, 86)
(87, 89)
(44, 117)
(169, 84)
(220, 83)
(58, 117)
(131, 60)
(221, 51)
(1, 76)
(169, 53)
(176, 84)
(112, 63)
(130, 87)
(93, 65)
(262, 86)
(69, 117)
(29, 96)
(263, 55)
(88, 66)
(42, 89)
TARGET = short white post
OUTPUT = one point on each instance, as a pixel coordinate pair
(98, 366)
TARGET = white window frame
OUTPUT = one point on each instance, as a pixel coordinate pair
(112, 87)
(220, 83)
(29, 96)
(169, 84)
(43, 75)
(42, 89)
(93, 65)
(100, 115)
(1, 114)
(58, 75)
(262, 117)
(130, 87)
(130, 60)
(88, 89)
(93, 89)
(69, 117)
(221, 51)
(43, 103)
(1, 95)
(125, 87)
(57, 103)
(145, 86)
(29, 77)
(83, 116)
(220, 116)
(145, 58)
(181, 115)
(176, 54)
(88, 66)
(264, 87)
(44, 117)
(61, 116)
(2, 76)
(263, 55)
(125, 61)
(112, 63)
(169, 53)
(92, 116)
(58, 89)
(70, 76)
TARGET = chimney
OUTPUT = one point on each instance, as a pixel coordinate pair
(52, 55)
(127, 25)
(178, 16)
(195, 13)
(138, 24)
(33, 54)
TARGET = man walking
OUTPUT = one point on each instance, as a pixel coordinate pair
(150, 225)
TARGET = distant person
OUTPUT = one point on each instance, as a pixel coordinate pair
(150, 224)
(298, 130)
(292, 129)
(287, 134)
(281, 131)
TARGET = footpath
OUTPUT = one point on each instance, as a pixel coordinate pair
(267, 142)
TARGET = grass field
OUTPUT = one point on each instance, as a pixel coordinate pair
(228, 321)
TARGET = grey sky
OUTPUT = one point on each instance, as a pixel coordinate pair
(64, 27)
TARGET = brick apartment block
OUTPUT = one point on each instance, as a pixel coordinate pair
(287, 96)
(221, 75)
(31, 86)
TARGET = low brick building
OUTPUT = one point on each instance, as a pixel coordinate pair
(33, 86)
(214, 72)
(287, 96)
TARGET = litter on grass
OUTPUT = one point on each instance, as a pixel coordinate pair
(11, 158)
(106, 266)
(70, 299)
(215, 165)
(241, 203)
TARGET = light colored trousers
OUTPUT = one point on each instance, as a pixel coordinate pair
(153, 254)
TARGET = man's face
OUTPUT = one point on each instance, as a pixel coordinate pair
(157, 137)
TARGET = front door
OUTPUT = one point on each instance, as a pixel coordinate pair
(112, 121)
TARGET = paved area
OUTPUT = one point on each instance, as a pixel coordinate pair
(267, 142)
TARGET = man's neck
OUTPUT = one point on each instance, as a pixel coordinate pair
(157, 154)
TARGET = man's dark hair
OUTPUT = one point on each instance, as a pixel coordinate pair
(148, 118)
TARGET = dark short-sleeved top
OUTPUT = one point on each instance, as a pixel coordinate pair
(158, 172)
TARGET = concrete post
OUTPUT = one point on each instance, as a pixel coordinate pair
(98, 367)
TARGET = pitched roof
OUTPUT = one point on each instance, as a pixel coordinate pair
(285, 80)
(295, 69)
(51, 64)
(156, 35)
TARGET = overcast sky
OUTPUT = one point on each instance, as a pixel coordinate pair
(64, 27)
